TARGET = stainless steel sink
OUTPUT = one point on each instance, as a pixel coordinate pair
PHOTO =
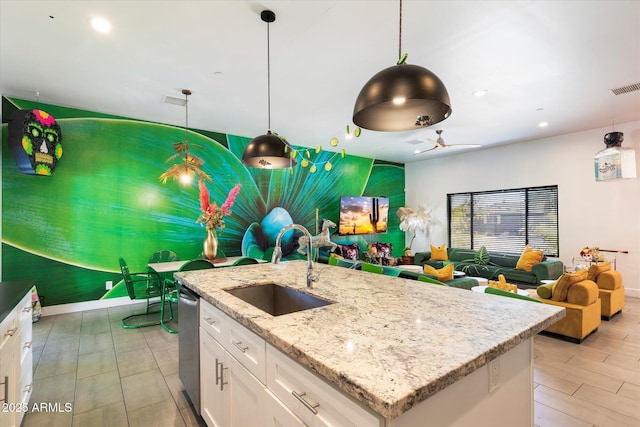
(277, 300)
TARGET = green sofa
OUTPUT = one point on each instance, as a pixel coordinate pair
(499, 263)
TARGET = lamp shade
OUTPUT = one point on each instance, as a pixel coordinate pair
(267, 151)
(402, 97)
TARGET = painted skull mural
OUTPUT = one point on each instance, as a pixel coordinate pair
(35, 141)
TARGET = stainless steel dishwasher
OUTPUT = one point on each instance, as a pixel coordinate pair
(189, 345)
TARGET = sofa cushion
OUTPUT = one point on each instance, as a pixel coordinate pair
(439, 253)
(444, 274)
(598, 268)
(528, 258)
(584, 293)
(482, 256)
(609, 280)
(561, 287)
(383, 249)
(544, 291)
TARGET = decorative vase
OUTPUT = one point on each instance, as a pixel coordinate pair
(210, 245)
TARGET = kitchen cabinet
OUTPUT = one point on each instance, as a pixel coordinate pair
(16, 359)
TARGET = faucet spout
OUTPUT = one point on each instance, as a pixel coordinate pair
(277, 252)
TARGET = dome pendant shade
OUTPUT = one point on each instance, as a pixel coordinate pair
(426, 100)
(267, 151)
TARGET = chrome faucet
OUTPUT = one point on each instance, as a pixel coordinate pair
(277, 252)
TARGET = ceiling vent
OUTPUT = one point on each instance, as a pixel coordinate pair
(175, 100)
(626, 89)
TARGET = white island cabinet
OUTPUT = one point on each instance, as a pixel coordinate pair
(388, 352)
(15, 358)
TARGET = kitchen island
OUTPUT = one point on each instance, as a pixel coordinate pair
(402, 349)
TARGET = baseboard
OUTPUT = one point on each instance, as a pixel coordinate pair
(634, 293)
(74, 307)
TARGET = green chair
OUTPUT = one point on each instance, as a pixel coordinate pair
(163, 256)
(496, 291)
(372, 268)
(244, 261)
(427, 279)
(390, 271)
(170, 292)
(141, 286)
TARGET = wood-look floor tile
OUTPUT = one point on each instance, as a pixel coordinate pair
(551, 380)
(545, 416)
(577, 374)
(114, 415)
(630, 391)
(581, 409)
(611, 401)
(605, 369)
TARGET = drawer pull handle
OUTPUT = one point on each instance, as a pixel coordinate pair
(217, 372)
(5, 399)
(309, 406)
(27, 344)
(11, 332)
(239, 346)
(210, 321)
(26, 309)
(27, 388)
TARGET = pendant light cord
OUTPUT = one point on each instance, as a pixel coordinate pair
(268, 79)
(400, 35)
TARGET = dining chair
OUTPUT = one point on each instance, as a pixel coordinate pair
(164, 255)
(171, 293)
(372, 268)
(501, 292)
(244, 261)
(140, 286)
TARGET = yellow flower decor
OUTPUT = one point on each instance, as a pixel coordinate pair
(213, 215)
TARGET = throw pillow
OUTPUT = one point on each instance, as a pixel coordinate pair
(384, 249)
(544, 291)
(351, 251)
(439, 253)
(596, 269)
(444, 274)
(481, 257)
(560, 288)
(529, 258)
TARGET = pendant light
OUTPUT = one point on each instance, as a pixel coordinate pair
(268, 151)
(402, 97)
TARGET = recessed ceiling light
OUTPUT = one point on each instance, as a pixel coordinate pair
(543, 124)
(479, 92)
(101, 25)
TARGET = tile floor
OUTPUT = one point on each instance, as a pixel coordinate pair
(111, 376)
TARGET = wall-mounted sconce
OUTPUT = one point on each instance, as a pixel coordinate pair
(615, 161)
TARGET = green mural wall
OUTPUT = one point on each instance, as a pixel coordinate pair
(105, 201)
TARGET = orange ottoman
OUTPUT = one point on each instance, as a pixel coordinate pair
(611, 292)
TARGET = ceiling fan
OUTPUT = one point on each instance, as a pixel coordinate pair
(440, 144)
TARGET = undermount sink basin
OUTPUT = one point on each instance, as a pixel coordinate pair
(277, 300)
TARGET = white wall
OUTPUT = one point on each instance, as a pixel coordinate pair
(604, 214)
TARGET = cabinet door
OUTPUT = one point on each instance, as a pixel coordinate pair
(213, 401)
(278, 415)
(246, 394)
(10, 382)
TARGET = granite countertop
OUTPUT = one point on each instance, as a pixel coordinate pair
(388, 342)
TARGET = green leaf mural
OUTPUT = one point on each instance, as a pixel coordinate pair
(105, 200)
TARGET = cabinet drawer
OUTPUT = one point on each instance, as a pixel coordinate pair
(26, 382)
(311, 398)
(247, 348)
(213, 321)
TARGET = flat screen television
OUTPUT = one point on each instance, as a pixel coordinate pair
(363, 215)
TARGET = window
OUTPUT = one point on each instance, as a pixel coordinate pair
(505, 220)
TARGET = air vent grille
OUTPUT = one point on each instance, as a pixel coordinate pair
(626, 89)
(168, 99)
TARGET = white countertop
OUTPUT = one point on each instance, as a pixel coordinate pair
(388, 342)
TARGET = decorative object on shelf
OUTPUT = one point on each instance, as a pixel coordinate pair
(412, 221)
(268, 151)
(615, 161)
(191, 165)
(402, 97)
(212, 217)
(591, 254)
(35, 141)
(321, 240)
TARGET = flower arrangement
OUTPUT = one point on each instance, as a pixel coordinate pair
(412, 221)
(212, 216)
(590, 253)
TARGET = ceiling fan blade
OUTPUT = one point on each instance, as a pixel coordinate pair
(461, 146)
(424, 151)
